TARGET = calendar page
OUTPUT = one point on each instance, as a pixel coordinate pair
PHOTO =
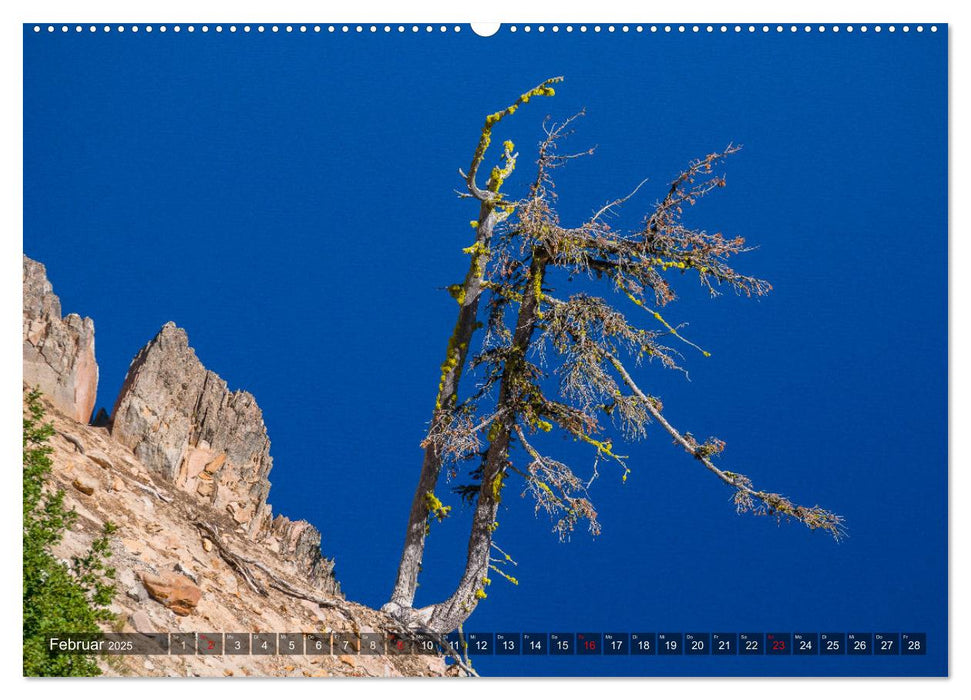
(533, 350)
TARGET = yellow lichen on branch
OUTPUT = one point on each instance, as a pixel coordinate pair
(499, 175)
(436, 507)
(671, 329)
(512, 579)
(544, 89)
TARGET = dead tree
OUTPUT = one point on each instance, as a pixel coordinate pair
(549, 362)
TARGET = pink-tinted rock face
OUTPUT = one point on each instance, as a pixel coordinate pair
(183, 422)
(58, 352)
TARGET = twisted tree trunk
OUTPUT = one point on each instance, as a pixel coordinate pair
(492, 210)
(449, 614)
(403, 595)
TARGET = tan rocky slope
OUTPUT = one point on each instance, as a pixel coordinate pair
(158, 544)
(181, 468)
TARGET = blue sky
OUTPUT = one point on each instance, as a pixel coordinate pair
(289, 200)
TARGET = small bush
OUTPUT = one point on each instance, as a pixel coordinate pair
(58, 598)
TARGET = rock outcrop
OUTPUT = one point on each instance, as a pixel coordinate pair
(58, 352)
(299, 543)
(183, 422)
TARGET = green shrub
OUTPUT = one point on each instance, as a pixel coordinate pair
(58, 598)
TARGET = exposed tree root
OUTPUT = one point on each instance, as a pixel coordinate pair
(73, 440)
(242, 565)
(155, 492)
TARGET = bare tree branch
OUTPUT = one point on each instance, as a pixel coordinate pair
(570, 500)
(813, 517)
(242, 564)
(610, 206)
(544, 89)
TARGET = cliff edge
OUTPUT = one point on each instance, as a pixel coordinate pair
(181, 467)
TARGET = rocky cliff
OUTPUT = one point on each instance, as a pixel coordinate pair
(182, 421)
(58, 352)
(183, 566)
(179, 419)
(181, 466)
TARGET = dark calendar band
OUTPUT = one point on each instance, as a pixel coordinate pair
(501, 643)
